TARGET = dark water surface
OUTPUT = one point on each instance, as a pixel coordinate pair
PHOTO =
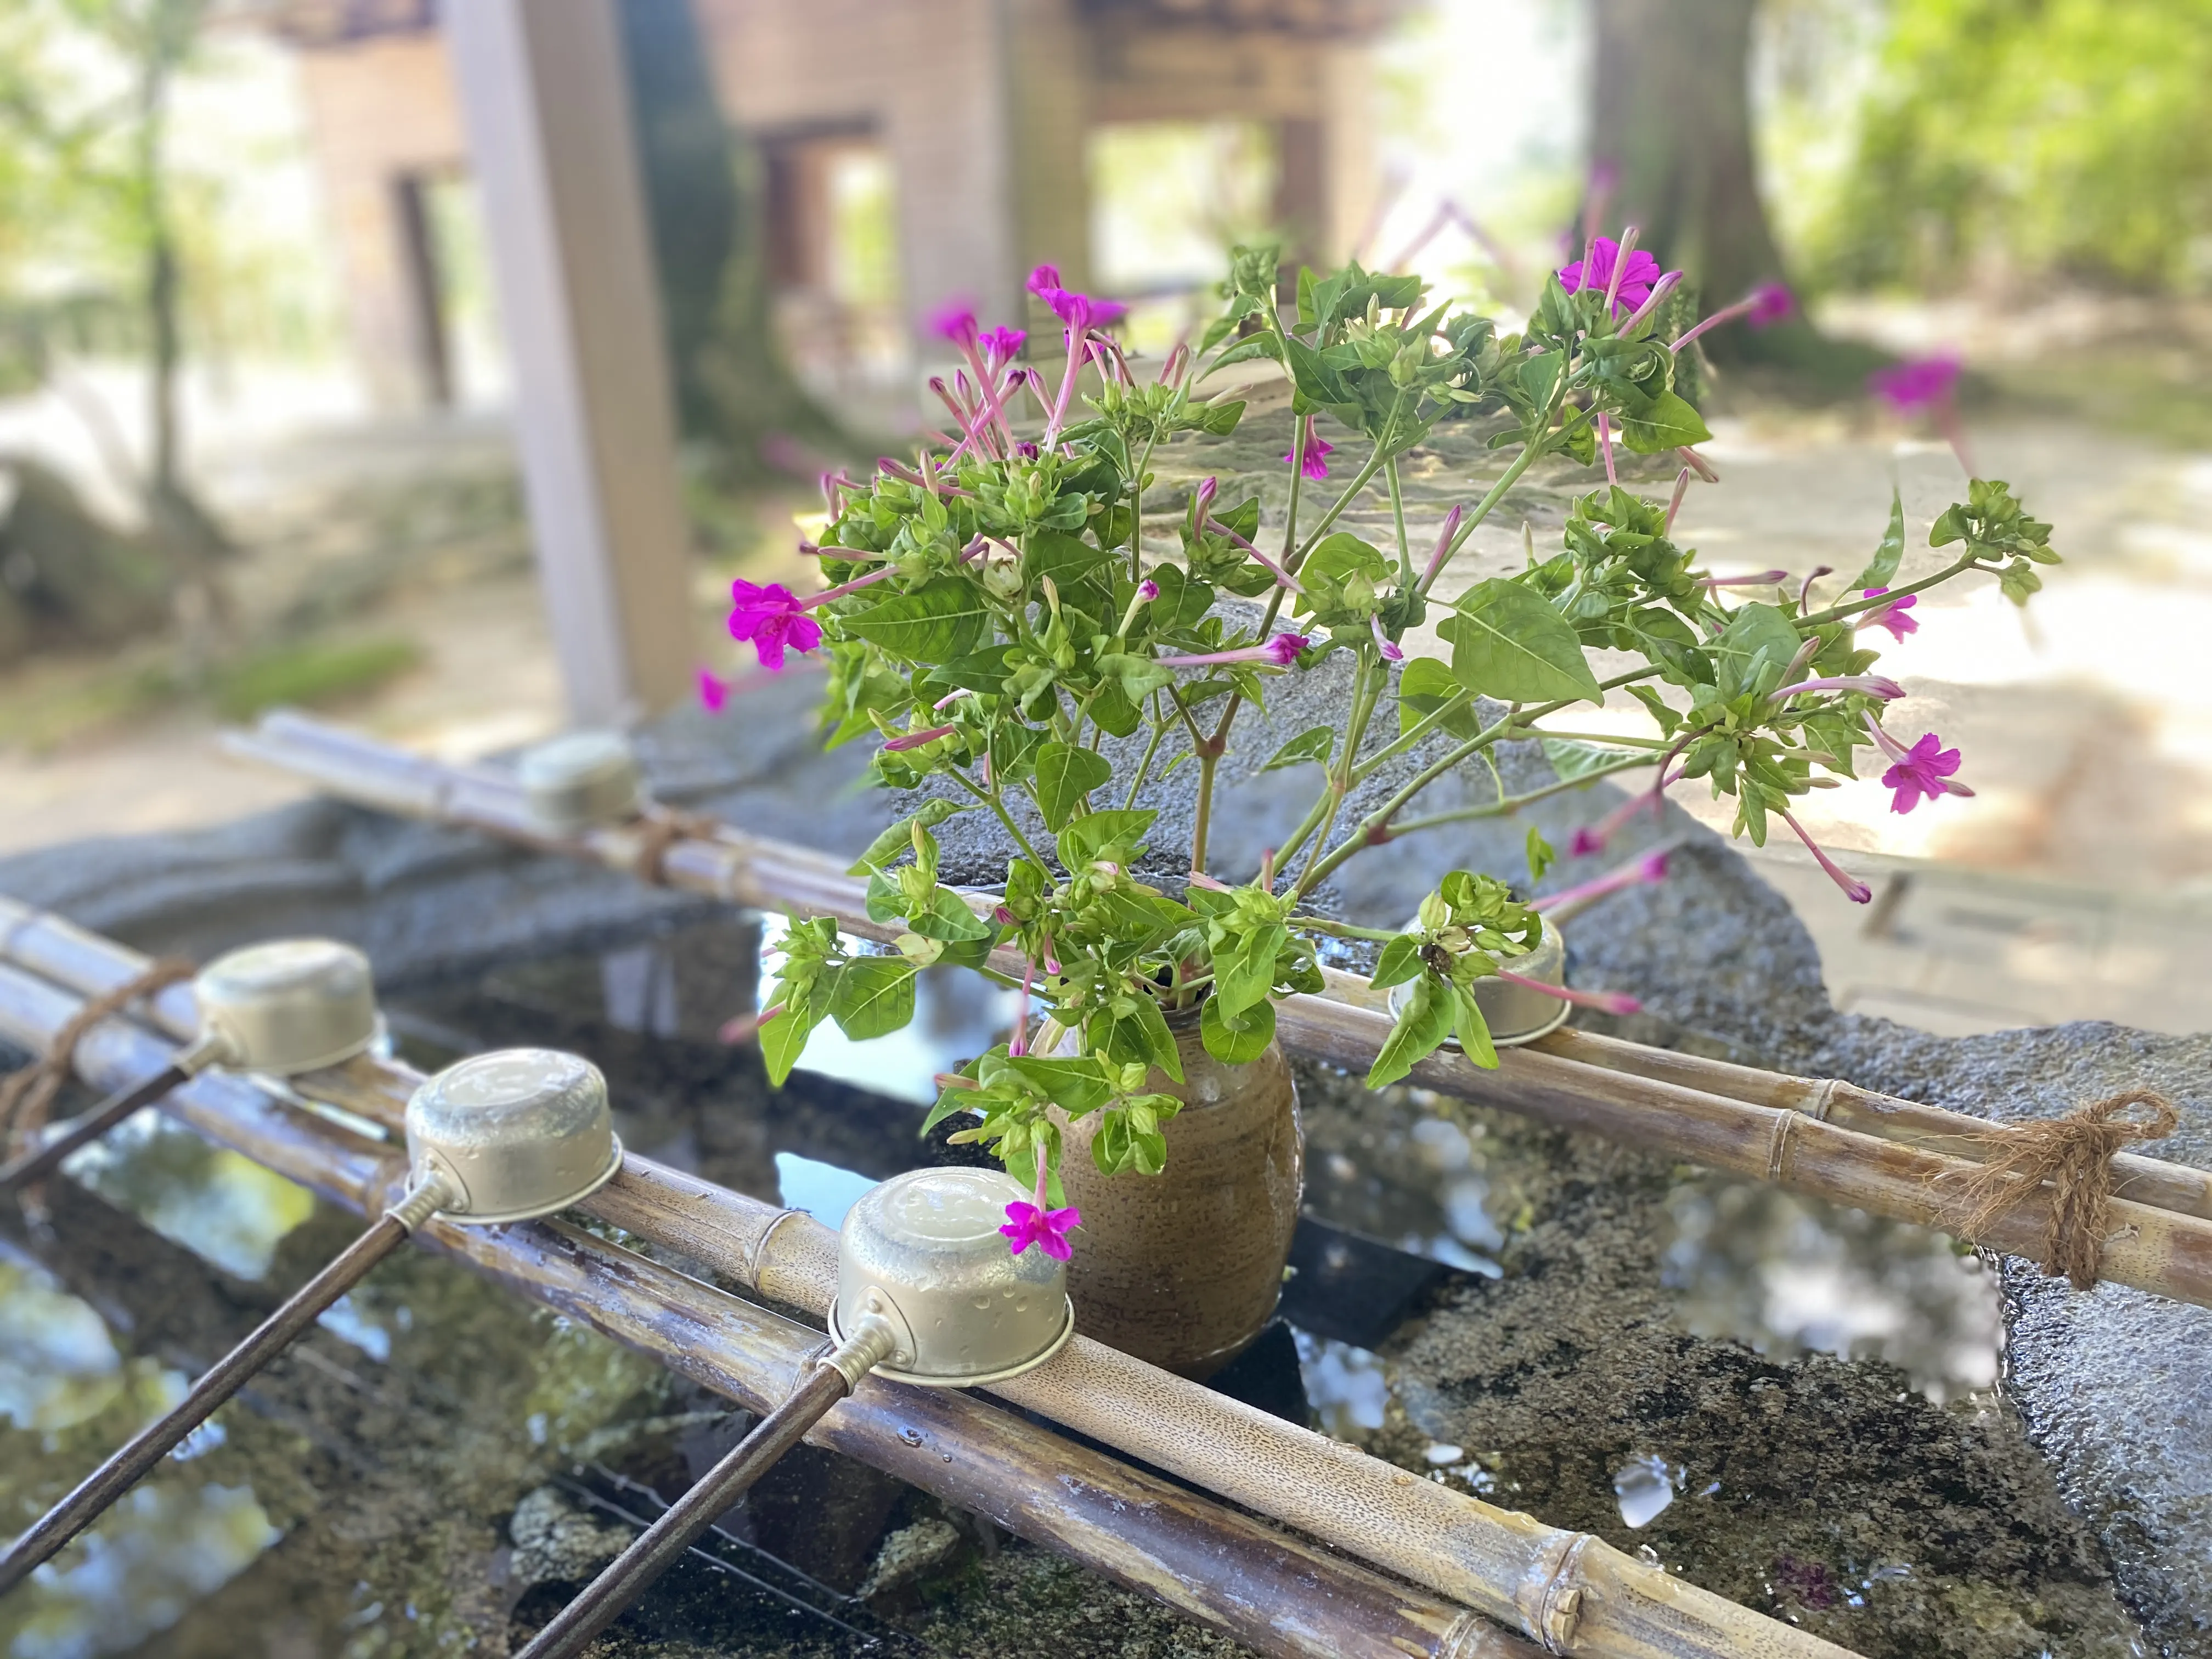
(361, 1498)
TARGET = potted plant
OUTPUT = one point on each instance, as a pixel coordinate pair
(993, 614)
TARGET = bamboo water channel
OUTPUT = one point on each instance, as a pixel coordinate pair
(1570, 1592)
(1822, 1137)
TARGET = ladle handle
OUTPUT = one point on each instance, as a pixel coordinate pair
(222, 1380)
(42, 1160)
(630, 1575)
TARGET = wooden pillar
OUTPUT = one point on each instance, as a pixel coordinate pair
(549, 138)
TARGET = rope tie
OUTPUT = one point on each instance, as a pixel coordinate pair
(26, 1095)
(660, 829)
(2073, 1154)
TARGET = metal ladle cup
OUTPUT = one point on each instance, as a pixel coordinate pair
(581, 781)
(500, 1137)
(281, 1008)
(927, 1293)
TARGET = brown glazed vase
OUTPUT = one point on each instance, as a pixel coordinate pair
(1184, 1269)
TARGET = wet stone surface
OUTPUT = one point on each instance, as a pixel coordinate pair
(1795, 1404)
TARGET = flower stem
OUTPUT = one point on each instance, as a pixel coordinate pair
(1837, 612)
(1502, 808)
(1398, 512)
(990, 798)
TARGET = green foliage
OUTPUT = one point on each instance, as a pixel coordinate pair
(2068, 136)
(309, 675)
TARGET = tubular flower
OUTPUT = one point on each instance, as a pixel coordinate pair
(954, 322)
(1079, 312)
(1920, 773)
(1148, 590)
(1611, 1002)
(1891, 616)
(1916, 384)
(1760, 578)
(1443, 546)
(1281, 651)
(713, 693)
(915, 739)
(1591, 838)
(1000, 346)
(1639, 872)
(771, 618)
(1637, 275)
(1770, 303)
(1392, 651)
(1318, 450)
(1854, 890)
(1874, 685)
(1032, 1223)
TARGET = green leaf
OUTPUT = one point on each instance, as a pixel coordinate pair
(1755, 634)
(949, 918)
(1508, 643)
(1473, 1030)
(939, 620)
(1066, 775)
(1670, 423)
(1219, 419)
(1236, 1040)
(1245, 975)
(899, 838)
(1315, 744)
(873, 996)
(783, 1039)
(1139, 676)
(1157, 1042)
(1425, 685)
(1421, 1028)
(1400, 960)
(1540, 853)
(1883, 565)
(1571, 758)
(1076, 1086)
(1089, 837)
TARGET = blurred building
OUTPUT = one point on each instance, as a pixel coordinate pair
(977, 113)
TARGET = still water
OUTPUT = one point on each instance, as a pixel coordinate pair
(1423, 1197)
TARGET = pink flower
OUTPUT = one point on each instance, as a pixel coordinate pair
(1770, 302)
(1031, 1224)
(1282, 651)
(771, 618)
(1760, 578)
(1854, 890)
(1148, 590)
(954, 322)
(1636, 276)
(1002, 345)
(1873, 685)
(1612, 1002)
(1079, 311)
(714, 694)
(1916, 384)
(1591, 839)
(1392, 652)
(1318, 450)
(1651, 867)
(1891, 616)
(915, 739)
(1922, 772)
(1443, 546)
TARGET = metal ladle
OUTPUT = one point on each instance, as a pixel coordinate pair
(928, 1293)
(282, 1008)
(502, 1137)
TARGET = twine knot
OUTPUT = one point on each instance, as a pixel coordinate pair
(26, 1095)
(660, 829)
(2073, 1154)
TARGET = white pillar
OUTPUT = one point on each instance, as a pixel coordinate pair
(547, 113)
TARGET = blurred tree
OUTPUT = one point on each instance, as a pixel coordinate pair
(736, 398)
(2052, 135)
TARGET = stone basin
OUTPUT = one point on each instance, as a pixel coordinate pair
(1798, 1408)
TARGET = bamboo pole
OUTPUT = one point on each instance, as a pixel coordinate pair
(1270, 1589)
(773, 875)
(1570, 1591)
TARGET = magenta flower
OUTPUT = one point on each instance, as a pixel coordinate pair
(1891, 616)
(1612, 1002)
(1637, 275)
(1281, 651)
(1148, 590)
(1854, 890)
(954, 322)
(1443, 547)
(771, 618)
(1920, 773)
(1031, 1224)
(1392, 651)
(1079, 312)
(1759, 579)
(713, 693)
(1916, 384)
(1002, 345)
(1873, 685)
(1591, 839)
(1770, 302)
(1318, 450)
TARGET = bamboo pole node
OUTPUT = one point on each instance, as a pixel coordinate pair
(658, 830)
(1777, 1149)
(1823, 1101)
(760, 1244)
(2073, 1154)
(26, 1095)
(1550, 1602)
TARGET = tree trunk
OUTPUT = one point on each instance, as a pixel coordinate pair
(1671, 122)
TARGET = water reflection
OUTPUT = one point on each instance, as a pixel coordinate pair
(223, 1208)
(57, 1367)
(1787, 1274)
(1345, 1385)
